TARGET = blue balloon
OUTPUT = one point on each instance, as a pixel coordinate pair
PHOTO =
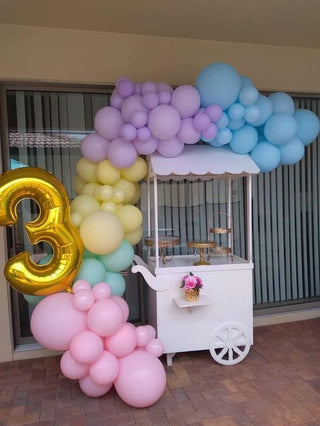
(223, 137)
(308, 125)
(266, 156)
(248, 95)
(245, 81)
(87, 253)
(91, 270)
(116, 282)
(291, 152)
(223, 121)
(236, 111)
(218, 83)
(244, 139)
(280, 128)
(119, 259)
(282, 103)
(252, 114)
(266, 109)
(236, 124)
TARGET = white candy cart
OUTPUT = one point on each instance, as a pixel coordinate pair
(222, 319)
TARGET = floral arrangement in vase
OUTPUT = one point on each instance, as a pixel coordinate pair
(191, 285)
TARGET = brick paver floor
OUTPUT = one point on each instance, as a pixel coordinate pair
(278, 383)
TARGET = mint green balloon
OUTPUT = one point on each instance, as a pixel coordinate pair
(33, 300)
(120, 259)
(116, 282)
(91, 270)
(87, 254)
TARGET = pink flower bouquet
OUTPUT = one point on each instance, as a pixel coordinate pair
(191, 282)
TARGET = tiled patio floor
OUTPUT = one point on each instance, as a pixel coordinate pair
(277, 384)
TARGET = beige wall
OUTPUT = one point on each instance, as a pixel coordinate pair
(58, 55)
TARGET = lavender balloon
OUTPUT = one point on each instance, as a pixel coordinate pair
(108, 122)
(94, 148)
(186, 99)
(125, 87)
(164, 121)
(146, 147)
(130, 105)
(170, 147)
(121, 153)
(187, 133)
(128, 132)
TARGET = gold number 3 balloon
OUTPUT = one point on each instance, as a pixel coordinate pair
(52, 225)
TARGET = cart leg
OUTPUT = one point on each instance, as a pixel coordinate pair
(169, 359)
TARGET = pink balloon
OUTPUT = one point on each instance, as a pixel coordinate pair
(128, 132)
(71, 368)
(164, 97)
(80, 285)
(55, 321)
(164, 121)
(187, 133)
(151, 331)
(123, 342)
(91, 388)
(146, 147)
(211, 132)
(94, 148)
(130, 105)
(150, 99)
(121, 153)
(83, 300)
(116, 100)
(143, 134)
(125, 87)
(214, 112)
(124, 307)
(143, 336)
(108, 122)
(105, 317)
(86, 347)
(170, 147)
(141, 380)
(186, 99)
(155, 347)
(201, 121)
(101, 291)
(105, 370)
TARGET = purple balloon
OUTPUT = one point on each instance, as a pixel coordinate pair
(130, 105)
(164, 86)
(121, 153)
(94, 148)
(108, 122)
(150, 99)
(139, 118)
(148, 86)
(137, 88)
(170, 147)
(211, 132)
(128, 132)
(146, 147)
(164, 97)
(143, 133)
(116, 100)
(201, 121)
(214, 112)
(125, 88)
(187, 133)
(164, 122)
(186, 99)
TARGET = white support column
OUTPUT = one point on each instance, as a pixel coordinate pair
(156, 224)
(249, 219)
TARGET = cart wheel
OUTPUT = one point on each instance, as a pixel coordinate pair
(229, 344)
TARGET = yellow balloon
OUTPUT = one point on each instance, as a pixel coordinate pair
(108, 206)
(90, 188)
(78, 184)
(137, 171)
(134, 236)
(107, 174)
(76, 219)
(137, 194)
(104, 193)
(119, 196)
(86, 170)
(127, 187)
(101, 232)
(84, 204)
(130, 217)
(53, 225)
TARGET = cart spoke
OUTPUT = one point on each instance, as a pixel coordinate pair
(222, 353)
(230, 354)
(237, 350)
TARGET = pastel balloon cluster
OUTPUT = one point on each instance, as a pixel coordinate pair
(101, 348)
(270, 129)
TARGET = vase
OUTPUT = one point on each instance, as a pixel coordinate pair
(192, 294)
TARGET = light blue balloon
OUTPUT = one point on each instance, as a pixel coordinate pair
(308, 125)
(223, 121)
(245, 81)
(87, 254)
(252, 114)
(244, 140)
(33, 300)
(116, 282)
(236, 124)
(215, 143)
(291, 152)
(218, 83)
(236, 111)
(266, 109)
(91, 270)
(120, 259)
(282, 103)
(280, 128)
(223, 137)
(248, 95)
(266, 156)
